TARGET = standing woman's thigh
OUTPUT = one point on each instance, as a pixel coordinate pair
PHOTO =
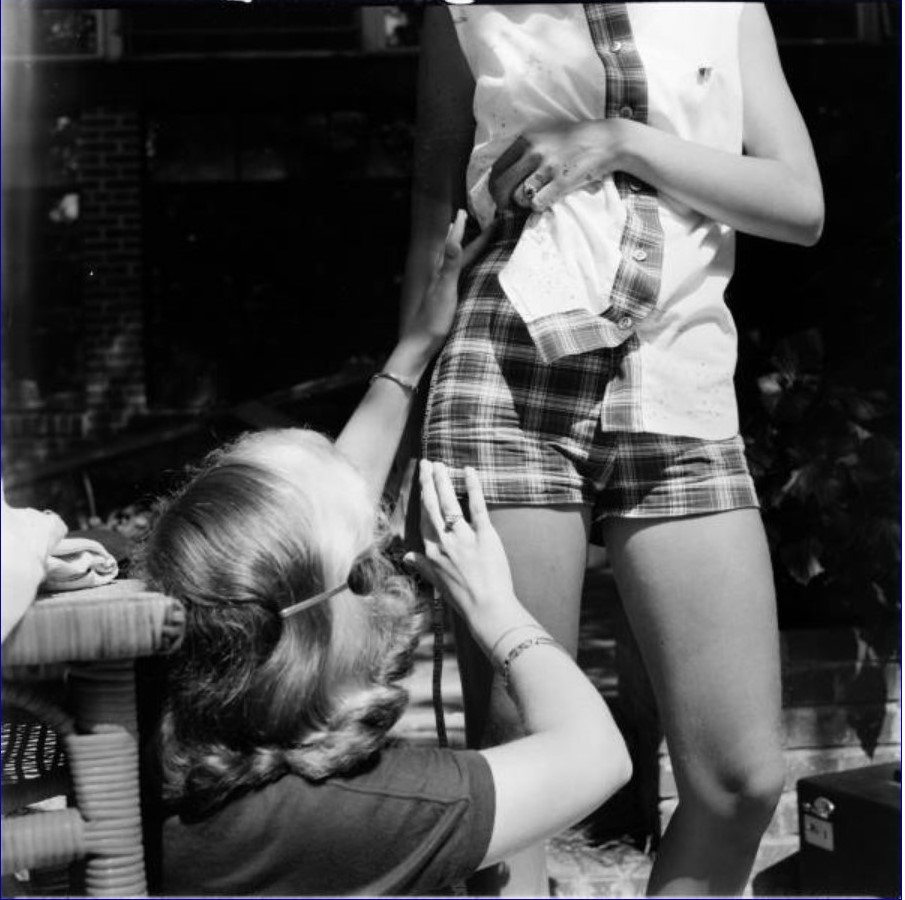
(698, 592)
(547, 551)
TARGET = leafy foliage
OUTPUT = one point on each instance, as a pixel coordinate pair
(824, 451)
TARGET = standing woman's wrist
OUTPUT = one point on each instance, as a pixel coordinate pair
(624, 144)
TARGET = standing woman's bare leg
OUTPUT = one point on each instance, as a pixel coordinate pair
(698, 593)
(547, 550)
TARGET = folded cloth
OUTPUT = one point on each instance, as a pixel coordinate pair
(26, 538)
(570, 277)
(77, 563)
(562, 275)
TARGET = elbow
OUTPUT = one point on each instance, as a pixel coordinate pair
(622, 768)
(809, 225)
(613, 767)
(812, 229)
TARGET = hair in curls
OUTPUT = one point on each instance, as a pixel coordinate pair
(268, 521)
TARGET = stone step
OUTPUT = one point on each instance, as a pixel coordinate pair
(841, 725)
(822, 645)
(783, 824)
(837, 726)
(806, 682)
(802, 763)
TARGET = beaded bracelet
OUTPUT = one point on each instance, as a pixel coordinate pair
(519, 649)
(408, 386)
(509, 631)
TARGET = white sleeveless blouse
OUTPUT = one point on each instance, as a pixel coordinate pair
(618, 261)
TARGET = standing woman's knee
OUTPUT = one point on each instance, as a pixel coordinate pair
(754, 787)
(743, 791)
(759, 788)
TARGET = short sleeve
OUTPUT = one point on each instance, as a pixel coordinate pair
(477, 824)
(443, 805)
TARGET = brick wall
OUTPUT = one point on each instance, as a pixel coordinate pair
(110, 164)
(31, 436)
(108, 388)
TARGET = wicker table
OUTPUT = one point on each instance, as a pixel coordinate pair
(70, 727)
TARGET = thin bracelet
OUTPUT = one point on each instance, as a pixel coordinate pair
(509, 631)
(519, 649)
(408, 386)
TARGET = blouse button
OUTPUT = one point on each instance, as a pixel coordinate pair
(627, 112)
(639, 255)
(634, 186)
(616, 46)
(625, 323)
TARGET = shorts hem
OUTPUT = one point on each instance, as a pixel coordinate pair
(707, 510)
(495, 496)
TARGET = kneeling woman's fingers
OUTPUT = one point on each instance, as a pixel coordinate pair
(431, 516)
(477, 246)
(477, 506)
(450, 507)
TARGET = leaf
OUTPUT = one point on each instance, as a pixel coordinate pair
(882, 456)
(801, 560)
(860, 408)
(800, 353)
(771, 388)
(793, 404)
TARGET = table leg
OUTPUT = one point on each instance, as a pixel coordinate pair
(105, 775)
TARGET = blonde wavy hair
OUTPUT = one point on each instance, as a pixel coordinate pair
(268, 521)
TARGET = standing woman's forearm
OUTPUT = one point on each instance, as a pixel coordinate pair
(765, 197)
(774, 190)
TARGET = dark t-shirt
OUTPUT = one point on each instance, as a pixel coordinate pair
(415, 820)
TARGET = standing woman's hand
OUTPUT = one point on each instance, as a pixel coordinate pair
(544, 164)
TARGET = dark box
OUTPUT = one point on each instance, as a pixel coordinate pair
(850, 826)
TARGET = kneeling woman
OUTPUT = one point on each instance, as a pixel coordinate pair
(279, 775)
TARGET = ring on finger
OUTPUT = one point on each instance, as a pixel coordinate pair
(451, 521)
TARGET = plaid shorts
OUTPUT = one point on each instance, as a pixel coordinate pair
(532, 430)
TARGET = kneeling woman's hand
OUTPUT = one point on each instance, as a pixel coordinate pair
(572, 757)
(372, 434)
(426, 329)
(466, 561)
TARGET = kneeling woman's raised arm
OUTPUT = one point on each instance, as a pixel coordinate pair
(573, 756)
(371, 436)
